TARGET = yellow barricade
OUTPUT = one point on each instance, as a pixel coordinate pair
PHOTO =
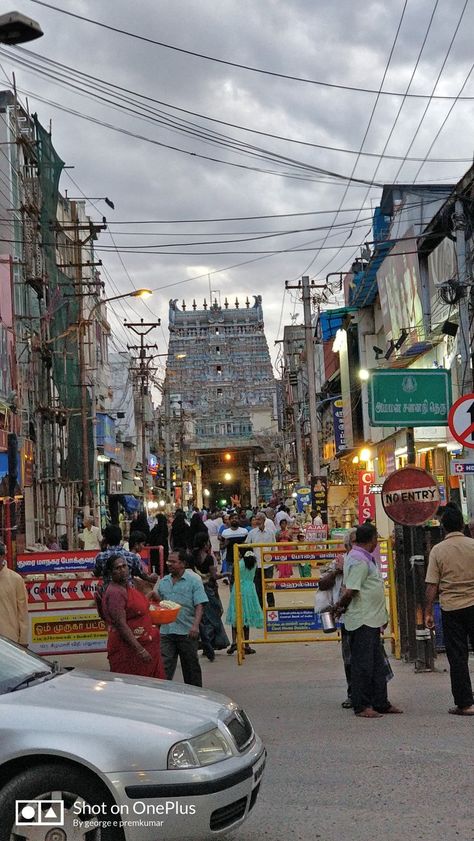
(285, 623)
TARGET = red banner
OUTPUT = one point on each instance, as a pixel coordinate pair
(366, 499)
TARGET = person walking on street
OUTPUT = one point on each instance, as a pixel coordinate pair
(133, 642)
(262, 534)
(13, 603)
(211, 629)
(365, 613)
(234, 533)
(451, 574)
(179, 536)
(180, 638)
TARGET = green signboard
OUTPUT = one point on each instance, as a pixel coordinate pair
(409, 397)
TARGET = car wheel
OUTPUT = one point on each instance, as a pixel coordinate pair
(76, 790)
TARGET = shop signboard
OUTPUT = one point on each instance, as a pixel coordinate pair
(338, 423)
(37, 562)
(409, 397)
(461, 467)
(60, 632)
(366, 498)
(80, 560)
(386, 460)
(410, 496)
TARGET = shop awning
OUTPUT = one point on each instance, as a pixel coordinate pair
(332, 320)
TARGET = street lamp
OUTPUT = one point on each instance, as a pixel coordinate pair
(137, 293)
(16, 28)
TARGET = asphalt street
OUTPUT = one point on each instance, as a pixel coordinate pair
(333, 776)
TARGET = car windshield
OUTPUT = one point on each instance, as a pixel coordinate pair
(18, 667)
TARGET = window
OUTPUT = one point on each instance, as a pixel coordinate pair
(220, 393)
(219, 370)
(218, 351)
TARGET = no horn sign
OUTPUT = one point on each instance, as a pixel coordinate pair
(410, 496)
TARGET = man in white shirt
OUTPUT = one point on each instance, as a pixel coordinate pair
(90, 537)
(231, 535)
(283, 514)
(213, 523)
(262, 534)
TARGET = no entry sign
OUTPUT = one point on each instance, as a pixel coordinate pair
(461, 420)
(410, 496)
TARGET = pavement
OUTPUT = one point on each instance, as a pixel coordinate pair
(333, 776)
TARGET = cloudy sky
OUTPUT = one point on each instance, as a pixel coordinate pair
(158, 163)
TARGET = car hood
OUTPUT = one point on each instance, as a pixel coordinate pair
(183, 709)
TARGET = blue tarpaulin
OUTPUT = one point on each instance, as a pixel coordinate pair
(130, 503)
(332, 320)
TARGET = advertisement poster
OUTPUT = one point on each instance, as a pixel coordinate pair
(319, 496)
(303, 497)
(296, 620)
(55, 632)
(61, 590)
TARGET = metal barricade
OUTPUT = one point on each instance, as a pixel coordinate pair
(286, 623)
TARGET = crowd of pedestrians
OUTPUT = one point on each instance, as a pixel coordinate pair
(196, 557)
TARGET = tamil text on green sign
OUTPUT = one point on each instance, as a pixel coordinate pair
(409, 397)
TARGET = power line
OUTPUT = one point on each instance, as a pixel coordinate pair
(238, 65)
(371, 117)
(440, 73)
(297, 177)
(107, 85)
(422, 118)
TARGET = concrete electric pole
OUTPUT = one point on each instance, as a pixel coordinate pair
(305, 287)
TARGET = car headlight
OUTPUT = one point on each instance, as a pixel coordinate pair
(206, 749)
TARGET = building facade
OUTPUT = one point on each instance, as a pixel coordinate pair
(220, 403)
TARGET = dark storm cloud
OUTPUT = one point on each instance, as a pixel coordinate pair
(341, 42)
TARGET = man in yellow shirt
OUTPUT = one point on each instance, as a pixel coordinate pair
(451, 574)
(13, 603)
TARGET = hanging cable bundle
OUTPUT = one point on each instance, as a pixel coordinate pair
(452, 292)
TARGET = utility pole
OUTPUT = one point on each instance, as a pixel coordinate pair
(305, 287)
(464, 278)
(79, 243)
(142, 329)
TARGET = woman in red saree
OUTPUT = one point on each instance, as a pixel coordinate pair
(133, 645)
(284, 570)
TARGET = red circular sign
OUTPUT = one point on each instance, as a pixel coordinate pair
(410, 496)
(461, 420)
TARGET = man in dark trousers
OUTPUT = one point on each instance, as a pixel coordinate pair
(365, 614)
(180, 638)
(451, 574)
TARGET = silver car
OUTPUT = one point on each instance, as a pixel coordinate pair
(94, 756)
